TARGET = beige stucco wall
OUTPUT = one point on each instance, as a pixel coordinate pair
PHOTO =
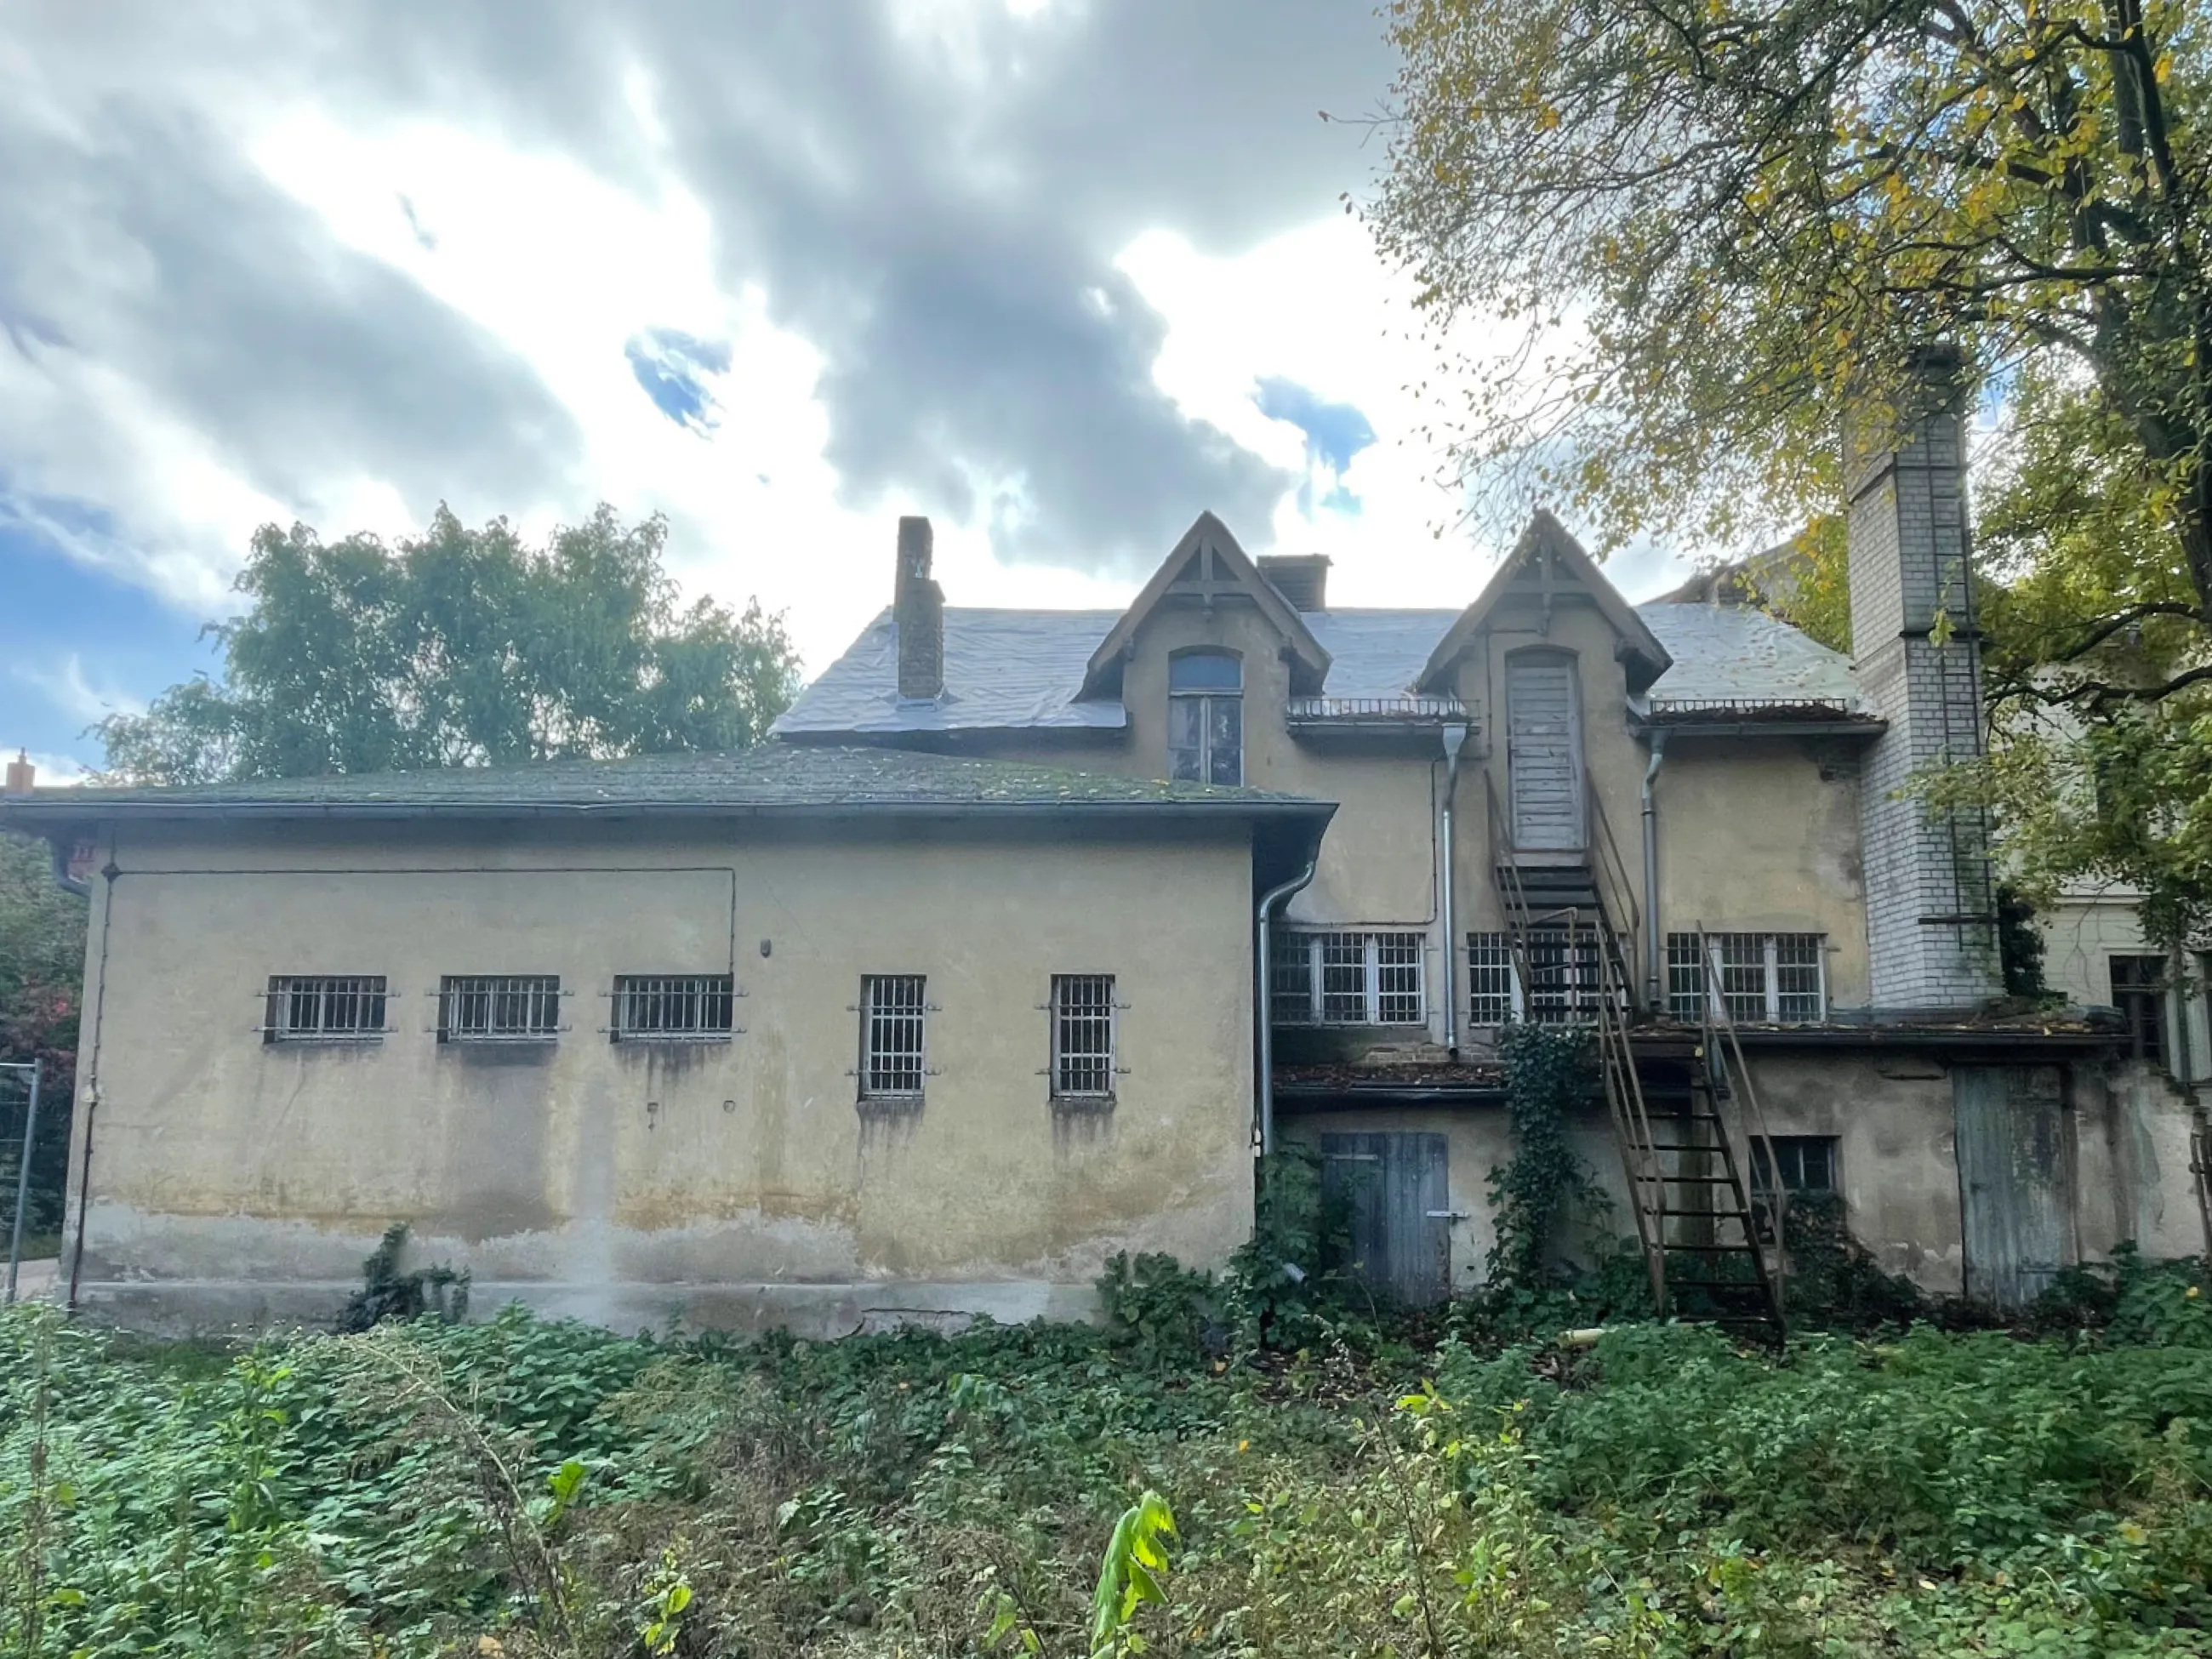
(721, 1183)
(1754, 835)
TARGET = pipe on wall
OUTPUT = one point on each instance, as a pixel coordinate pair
(62, 880)
(1262, 1002)
(1654, 961)
(1454, 738)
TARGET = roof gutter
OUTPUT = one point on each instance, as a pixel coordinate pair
(37, 817)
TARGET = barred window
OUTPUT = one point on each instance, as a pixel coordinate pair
(1083, 1036)
(498, 1008)
(1492, 997)
(325, 1008)
(1565, 978)
(892, 1014)
(1766, 978)
(1337, 978)
(673, 1008)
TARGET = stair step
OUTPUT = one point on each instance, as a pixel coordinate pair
(1740, 1249)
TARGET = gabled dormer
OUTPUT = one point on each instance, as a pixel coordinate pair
(1205, 571)
(1546, 573)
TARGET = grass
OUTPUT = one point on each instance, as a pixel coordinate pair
(522, 1487)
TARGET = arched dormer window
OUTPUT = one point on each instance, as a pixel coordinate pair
(1206, 717)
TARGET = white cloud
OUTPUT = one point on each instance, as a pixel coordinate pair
(1316, 305)
(68, 685)
(566, 268)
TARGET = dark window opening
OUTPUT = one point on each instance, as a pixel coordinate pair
(1807, 1164)
(498, 1008)
(2139, 993)
(673, 1008)
(1083, 1037)
(1205, 718)
(892, 1014)
(325, 1008)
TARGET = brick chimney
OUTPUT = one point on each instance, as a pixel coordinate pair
(1301, 578)
(918, 609)
(21, 774)
(1931, 923)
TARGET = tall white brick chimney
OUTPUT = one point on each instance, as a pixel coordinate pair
(1931, 906)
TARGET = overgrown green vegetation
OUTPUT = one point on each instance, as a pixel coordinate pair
(41, 965)
(531, 1488)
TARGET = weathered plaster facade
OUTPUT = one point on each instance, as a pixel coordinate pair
(721, 1183)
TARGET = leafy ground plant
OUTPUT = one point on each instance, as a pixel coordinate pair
(534, 1488)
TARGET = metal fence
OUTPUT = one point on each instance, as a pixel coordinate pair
(23, 1084)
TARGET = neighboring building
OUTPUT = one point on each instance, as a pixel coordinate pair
(945, 996)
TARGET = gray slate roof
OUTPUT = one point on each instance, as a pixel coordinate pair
(1023, 670)
(1731, 654)
(772, 779)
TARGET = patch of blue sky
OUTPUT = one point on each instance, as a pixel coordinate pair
(81, 641)
(1334, 432)
(675, 368)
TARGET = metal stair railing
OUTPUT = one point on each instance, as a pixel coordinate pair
(1610, 1007)
(1728, 1084)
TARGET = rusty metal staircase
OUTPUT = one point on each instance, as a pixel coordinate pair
(1688, 1125)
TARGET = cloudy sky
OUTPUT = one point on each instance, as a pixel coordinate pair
(1059, 273)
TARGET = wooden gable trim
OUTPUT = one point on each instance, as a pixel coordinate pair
(1635, 643)
(1208, 565)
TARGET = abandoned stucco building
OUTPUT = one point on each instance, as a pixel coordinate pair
(1031, 926)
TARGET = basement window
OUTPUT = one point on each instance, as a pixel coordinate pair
(325, 1008)
(892, 1019)
(1773, 979)
(1806, 1164)
(1083, 1037)
(673, 1008)
(1346, 978)
(2139, 992)
(1565, 982)
(499, 1007)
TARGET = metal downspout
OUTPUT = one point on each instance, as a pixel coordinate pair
(62, 880)
(1263, 1008)
(1654, 962)
(1454, 738)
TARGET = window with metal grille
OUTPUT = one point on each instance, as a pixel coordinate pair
(2139, 993)
(1763, 978)
(1806, 1163)
(1493, 996)
(1206, 717)
(498, 1007)
(1340, 978)
(1565, 978)
(892, 1015)
(325, 1008)
(1083, 1036)
(673, 1008)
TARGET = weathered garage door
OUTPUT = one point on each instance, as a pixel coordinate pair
(1400, 1220)
(2015, 1180)
(1543, 752)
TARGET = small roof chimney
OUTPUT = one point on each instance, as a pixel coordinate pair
(1300, 578)
(918, 610)
(21, 774)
